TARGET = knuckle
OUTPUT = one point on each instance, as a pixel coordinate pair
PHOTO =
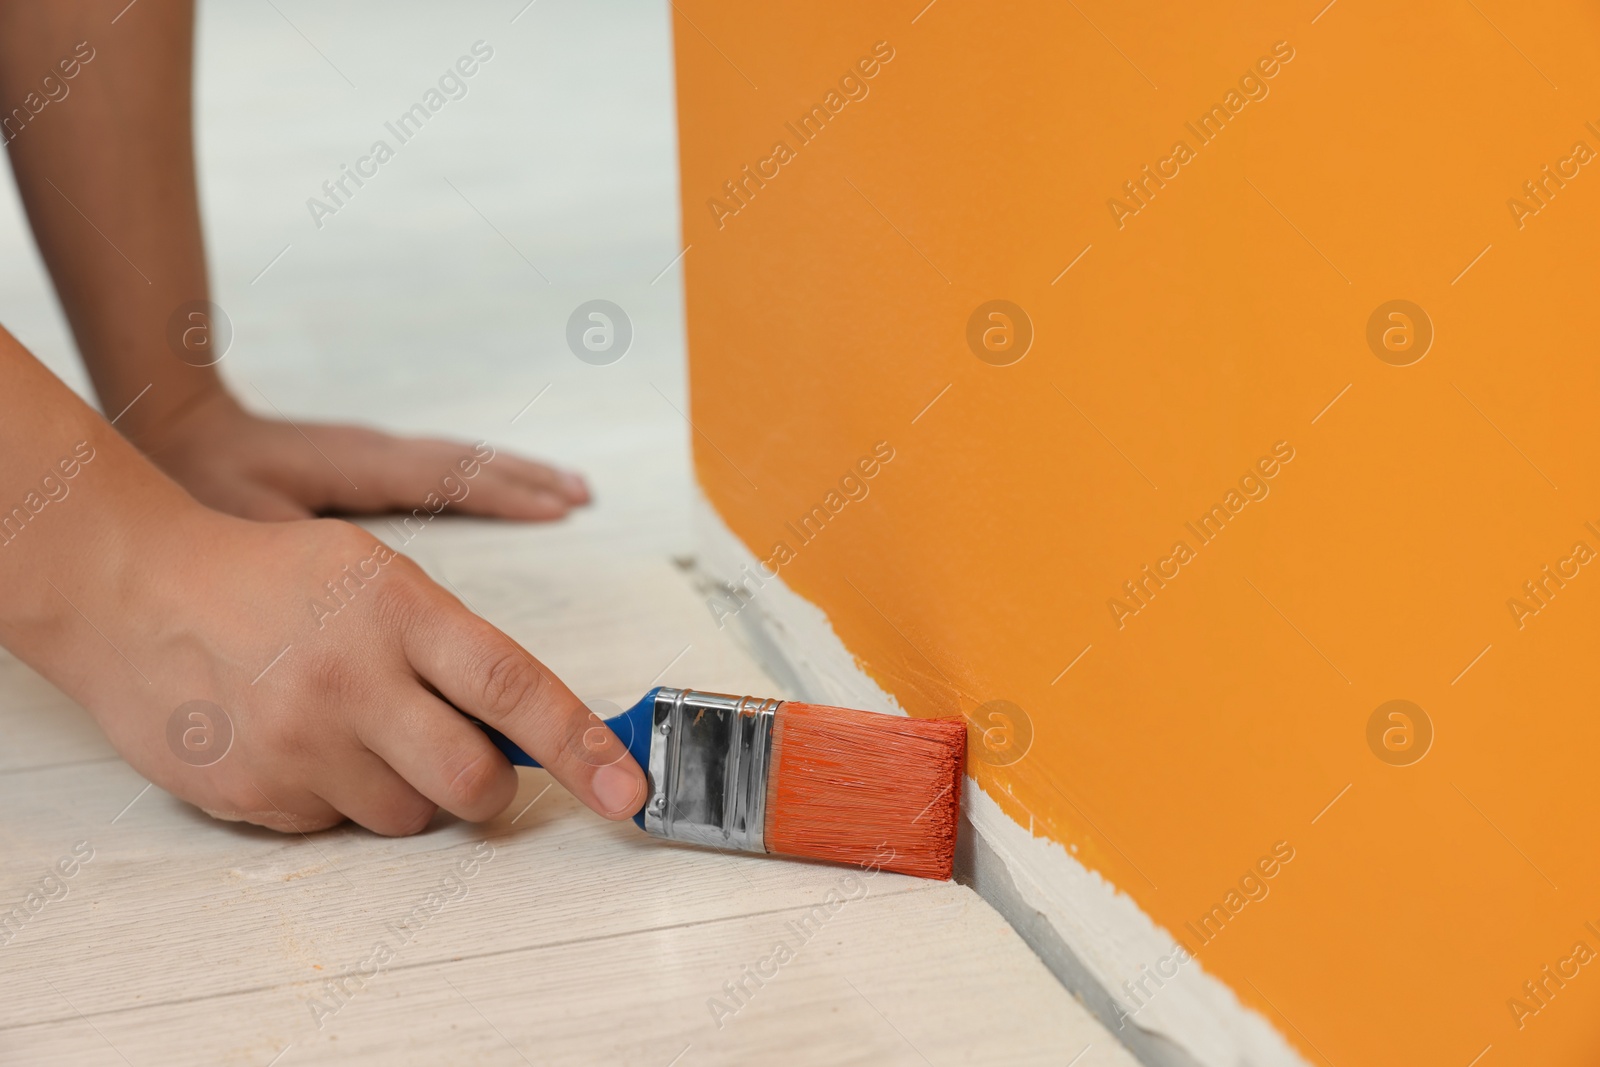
(589, 741)
(304, 824)
(358, 570)
(474, 784)
(406, 818)
(398, 591)
(340, 542)
(507, 679)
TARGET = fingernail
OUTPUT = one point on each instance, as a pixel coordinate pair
(574, 484)
(619, 790)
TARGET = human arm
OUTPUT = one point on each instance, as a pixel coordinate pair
(337, 664)
(106, 171)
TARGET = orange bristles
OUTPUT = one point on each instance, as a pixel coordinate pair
(873, 790)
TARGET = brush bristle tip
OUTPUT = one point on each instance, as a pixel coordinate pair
(879, 791)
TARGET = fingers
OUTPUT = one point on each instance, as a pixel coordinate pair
(484, 673)
(405, 473)
(506, 494)
(367, 791)
(279, 821)
(568, 485)
(291, 810)
(443, 757)
(507, 486)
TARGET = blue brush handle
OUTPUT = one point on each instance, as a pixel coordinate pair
(632, 728)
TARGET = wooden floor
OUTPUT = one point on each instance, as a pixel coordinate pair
(547, 935)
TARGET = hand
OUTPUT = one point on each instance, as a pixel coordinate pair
(270, 470)
(358, 718)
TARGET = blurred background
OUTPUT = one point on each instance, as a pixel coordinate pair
(436, 300)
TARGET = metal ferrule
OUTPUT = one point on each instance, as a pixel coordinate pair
(710, 754)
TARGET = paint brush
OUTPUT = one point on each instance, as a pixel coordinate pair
(793, 779)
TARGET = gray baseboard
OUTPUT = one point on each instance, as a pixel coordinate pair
(977, 866)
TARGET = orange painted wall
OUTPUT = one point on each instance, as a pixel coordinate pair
(1222, 317)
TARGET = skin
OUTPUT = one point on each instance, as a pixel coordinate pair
(177, 561)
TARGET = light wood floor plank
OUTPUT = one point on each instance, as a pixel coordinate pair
(929, 976)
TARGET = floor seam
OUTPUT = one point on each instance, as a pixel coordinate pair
(424, 964)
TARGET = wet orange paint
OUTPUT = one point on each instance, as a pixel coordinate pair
(874, 791)
(1198, 316)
